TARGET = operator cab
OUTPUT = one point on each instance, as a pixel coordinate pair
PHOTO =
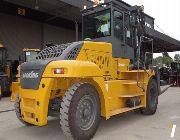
(110, 22)
(30, 54)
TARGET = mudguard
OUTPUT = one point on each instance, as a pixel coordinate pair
(73, 68)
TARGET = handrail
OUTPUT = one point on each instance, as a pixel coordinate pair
(138, 59)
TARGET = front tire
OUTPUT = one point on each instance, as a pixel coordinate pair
(151, 98)
(80, 112)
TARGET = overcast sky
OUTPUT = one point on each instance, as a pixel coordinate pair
(166, 14)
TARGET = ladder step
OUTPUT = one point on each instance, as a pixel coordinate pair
(122, 110)
(130, 95)
(129, 82)
(133, 71)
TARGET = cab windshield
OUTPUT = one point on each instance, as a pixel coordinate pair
(97, 25)
(30, 55)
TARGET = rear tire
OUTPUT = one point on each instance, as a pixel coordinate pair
(151, 98)
(18, 110)
(80, 112)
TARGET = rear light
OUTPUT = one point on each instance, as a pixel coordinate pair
(59, 71)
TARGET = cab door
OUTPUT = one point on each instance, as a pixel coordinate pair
(122, 34)
(128, 50)
(118, 33)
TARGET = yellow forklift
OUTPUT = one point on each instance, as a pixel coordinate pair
(28, 55)
(109, 73)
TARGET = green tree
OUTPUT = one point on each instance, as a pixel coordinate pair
(158, 60)
(165, 54)
(164, 59)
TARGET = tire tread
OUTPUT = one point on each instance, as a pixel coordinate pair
(64, 120)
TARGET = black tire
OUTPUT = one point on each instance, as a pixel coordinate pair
(80, 112)
(151, 98)
(5, 86)
(18, 110)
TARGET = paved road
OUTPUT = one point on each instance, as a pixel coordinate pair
(127, 126)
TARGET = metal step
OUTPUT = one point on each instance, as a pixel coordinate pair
(122, 110)
(130, 95)
(129, 82)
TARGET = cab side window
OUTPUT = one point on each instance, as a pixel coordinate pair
(128, 36)
(118, 25)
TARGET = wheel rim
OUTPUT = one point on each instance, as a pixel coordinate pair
(86, 112)
(153, 96)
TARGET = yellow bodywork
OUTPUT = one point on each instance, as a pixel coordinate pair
(15, 86)
(112, 78)
(8, 71)
(1, 45)
(15, 90)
